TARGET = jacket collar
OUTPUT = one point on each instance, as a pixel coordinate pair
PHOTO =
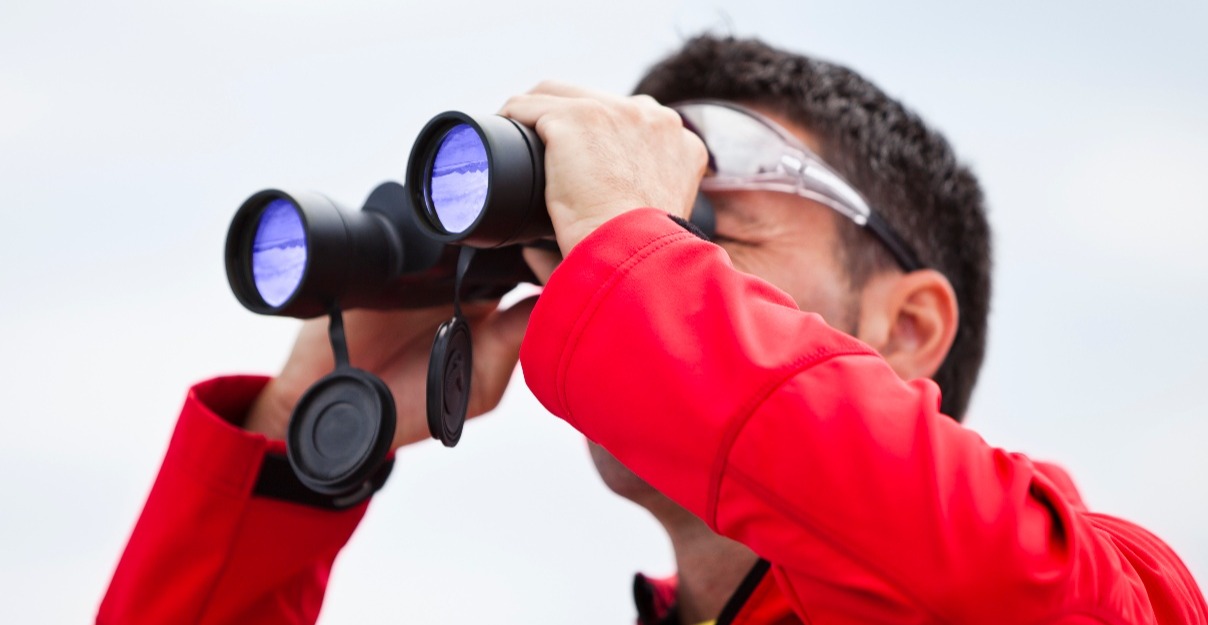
(757, 600)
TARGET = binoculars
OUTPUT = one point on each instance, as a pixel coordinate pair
(474, 195)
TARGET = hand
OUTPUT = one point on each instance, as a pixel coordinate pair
(606, 155)
(395, 346)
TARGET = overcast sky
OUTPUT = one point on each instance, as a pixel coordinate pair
(130, 132)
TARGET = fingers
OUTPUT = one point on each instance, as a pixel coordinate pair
(529, 108)
(556, 88)
(548, 95)
(586, 104)
(377, 338)
(605, 155)
(510, 325)
(496, 343)
(542, 262)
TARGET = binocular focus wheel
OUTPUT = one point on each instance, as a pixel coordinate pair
(449, 372)
(340, 431)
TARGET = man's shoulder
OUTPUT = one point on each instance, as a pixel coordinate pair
(1172, 591)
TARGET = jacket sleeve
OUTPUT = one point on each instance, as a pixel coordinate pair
(205, 549)
(800, 442)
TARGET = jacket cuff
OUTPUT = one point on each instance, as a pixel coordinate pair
(209, 448)
(206, 548)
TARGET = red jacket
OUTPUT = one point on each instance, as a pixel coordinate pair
(778, 431)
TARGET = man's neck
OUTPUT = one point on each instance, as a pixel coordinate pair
(711, 567)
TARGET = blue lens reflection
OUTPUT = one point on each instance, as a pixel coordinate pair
(279, 252)
(458, 188)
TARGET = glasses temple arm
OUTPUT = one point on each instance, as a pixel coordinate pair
(897, 247)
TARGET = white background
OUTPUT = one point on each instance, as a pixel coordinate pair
(130, 131)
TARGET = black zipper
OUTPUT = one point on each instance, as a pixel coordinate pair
(740, 597)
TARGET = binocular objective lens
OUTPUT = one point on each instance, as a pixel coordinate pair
(459, 181)
(279, 252)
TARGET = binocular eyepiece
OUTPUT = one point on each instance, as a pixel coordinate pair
(474, 195)
(479, 181)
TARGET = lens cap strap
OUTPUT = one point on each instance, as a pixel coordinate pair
(335, 334)
(450, 367)
(464, 258)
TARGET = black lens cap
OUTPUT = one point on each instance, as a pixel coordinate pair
(340, 431)
(449, 372)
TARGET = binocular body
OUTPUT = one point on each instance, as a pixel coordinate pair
(474, 195)
(470, 181)
(299, 254)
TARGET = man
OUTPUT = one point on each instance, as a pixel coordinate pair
(802, 475)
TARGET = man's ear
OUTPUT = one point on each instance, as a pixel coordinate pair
(910, 319)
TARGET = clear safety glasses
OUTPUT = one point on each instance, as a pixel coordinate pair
(748, 151)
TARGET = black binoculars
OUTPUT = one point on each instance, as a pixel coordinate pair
(474, 195)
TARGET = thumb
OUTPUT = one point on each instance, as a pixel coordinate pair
(506, 327)
(497, 340)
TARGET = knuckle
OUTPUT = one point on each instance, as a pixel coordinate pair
(548, 128)
(511, 103)
(644, 100)
(670, 117)
(651, 113)
(545, 86)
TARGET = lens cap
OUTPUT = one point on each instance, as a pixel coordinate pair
(449, 381)
(340, 431)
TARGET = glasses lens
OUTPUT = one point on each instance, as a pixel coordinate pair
(749, 152)
(279, 252)
(740, 146)
(459, 183)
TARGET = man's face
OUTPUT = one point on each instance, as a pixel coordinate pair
(790, 242)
